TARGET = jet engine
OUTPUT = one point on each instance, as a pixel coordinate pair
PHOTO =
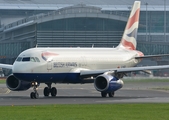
(17, 85)
(107, 83)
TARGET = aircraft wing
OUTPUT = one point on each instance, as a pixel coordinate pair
(122, 70)
(7, 66)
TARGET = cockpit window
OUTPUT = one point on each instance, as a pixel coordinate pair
(25, 59)
(37, 60)
(32, 59)
(19, 59)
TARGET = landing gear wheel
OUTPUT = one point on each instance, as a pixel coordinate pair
(34, 95)
(103, 94)
(53, 91)
(46, 91)
(111, 94)
(49, 89)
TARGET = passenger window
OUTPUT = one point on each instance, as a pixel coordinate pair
(19, 59)
(37, 59)
(25, 59)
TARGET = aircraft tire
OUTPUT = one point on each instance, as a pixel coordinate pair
(32, 95)
(46, 91)
(111, 94)
(36, 95)
(53, 91)
(103, 94)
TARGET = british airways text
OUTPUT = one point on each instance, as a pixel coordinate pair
(64, 64)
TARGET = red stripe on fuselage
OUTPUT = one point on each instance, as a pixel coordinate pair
(134, 18)
(46, 55)
(128, 45)
(49, 54)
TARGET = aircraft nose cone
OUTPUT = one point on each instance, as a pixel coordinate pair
(16, 68)
(19, 70)
(19, 67)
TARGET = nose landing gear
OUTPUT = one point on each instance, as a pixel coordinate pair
(46, 92)
(35, 94)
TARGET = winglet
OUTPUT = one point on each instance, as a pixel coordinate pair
(128, 40)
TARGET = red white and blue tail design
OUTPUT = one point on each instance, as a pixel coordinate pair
(128, 40)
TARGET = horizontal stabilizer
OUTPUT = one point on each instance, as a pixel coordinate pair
(152, 56)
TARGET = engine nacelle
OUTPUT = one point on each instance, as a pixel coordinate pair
(17, 85)
(107, 83)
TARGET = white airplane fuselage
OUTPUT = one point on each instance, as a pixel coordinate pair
(64, 65)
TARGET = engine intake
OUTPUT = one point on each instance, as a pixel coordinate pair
(17, 85)
(107, 83)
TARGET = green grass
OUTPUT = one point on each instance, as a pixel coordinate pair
(2, 81)
(161, 88)
(86, 112)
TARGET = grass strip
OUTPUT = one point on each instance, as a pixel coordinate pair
(2, 81)
(86, 112)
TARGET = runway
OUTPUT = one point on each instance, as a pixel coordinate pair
(86, 94)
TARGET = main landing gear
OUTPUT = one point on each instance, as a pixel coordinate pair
(49, 89)
(104, 94)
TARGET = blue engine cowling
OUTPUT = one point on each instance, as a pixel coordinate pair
(17, 85)
(107, 83)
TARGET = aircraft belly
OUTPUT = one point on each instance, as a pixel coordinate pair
(49, 77)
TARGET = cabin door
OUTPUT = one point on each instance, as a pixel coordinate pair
(49, 65)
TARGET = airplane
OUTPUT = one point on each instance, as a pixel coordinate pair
(105, 67)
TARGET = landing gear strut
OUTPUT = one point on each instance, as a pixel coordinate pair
(35, 94)
(49, 89)
(104, 94)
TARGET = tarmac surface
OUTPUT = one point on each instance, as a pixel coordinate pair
(132, 92)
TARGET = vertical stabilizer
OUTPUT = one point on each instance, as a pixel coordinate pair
(128, 40)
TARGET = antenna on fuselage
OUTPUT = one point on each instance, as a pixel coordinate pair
(92, 45)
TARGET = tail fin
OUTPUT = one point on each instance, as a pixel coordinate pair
(128, 40)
